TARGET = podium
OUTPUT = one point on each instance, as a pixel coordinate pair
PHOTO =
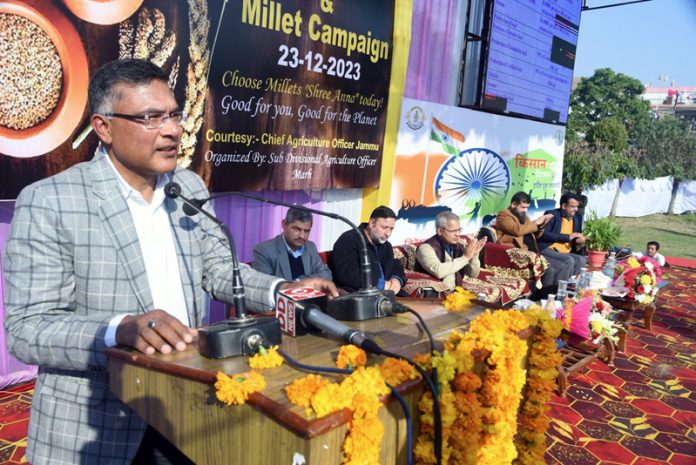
(175, 394)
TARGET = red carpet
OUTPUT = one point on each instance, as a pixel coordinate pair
(642, 411)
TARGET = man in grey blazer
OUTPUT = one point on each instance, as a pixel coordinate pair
(291, 255)
(98, 256)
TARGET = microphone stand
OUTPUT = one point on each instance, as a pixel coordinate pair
(365, 304)
(239, 334)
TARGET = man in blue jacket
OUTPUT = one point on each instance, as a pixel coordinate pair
(563, 240)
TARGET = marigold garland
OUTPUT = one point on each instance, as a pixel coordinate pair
(266, 358)
(235, 389)
(351, 357)
(301, 391)
(360, 392)
(479, 413)
(544, 361)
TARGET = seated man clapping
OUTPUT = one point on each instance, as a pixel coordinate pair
(445, 256)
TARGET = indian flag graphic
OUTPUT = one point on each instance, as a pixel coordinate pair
(448, 137)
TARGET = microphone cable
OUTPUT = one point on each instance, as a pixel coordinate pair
(401, 308)
(437, 417)
(404, 406)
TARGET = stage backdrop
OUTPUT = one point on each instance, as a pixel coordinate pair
(280, 95)
(471, 163)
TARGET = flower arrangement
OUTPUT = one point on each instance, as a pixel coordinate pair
(590, 317)
(641, 276)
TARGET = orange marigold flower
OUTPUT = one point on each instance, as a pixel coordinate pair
(350, 357)
(235, 389)
(301, 390)
(395, 371)
(467, 382)
(423, 360)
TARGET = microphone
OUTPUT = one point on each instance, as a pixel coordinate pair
(290, 306)
(312, 316)
(364, 304)
(240, 334)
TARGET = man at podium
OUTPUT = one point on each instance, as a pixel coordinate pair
(98, 256)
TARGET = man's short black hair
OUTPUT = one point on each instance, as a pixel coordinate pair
(128, 71)
(521, 197)
(295, 214)
(655, 243)
(382, 212)
(565, 198)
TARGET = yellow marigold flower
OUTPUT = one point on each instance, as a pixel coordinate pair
(424, 451)
(646, 279)
(445, 365)
(266, 358)
(350, 357)
(330, 398)
(235, 389)
(459, 300)
(395, 371)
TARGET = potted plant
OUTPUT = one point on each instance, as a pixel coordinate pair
(601, 235)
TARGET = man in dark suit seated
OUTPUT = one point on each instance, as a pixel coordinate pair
(387, 272)
(562, 242)
(290, 255)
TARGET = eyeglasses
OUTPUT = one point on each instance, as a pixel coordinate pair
(153, 121)
(453, 231)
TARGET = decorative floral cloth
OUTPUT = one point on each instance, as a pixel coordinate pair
(497, 284)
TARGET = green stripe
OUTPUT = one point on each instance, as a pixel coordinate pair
(452, 150)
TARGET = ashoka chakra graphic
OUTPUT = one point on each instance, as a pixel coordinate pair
(476, 175)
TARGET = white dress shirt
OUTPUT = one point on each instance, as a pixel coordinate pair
(159, 253)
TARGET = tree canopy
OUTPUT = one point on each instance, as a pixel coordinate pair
(607, 94)
(611, 134)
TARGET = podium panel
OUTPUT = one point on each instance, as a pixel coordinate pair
(175, 394)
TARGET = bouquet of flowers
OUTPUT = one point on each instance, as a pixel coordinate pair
(590, 317)
(640, 275)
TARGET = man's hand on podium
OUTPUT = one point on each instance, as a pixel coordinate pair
(154, 331)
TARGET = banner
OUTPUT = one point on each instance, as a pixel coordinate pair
(280, 95)
(470, 163)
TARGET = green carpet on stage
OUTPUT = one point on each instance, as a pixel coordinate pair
(642, 411)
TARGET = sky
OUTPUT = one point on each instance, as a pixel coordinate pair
(642, 40)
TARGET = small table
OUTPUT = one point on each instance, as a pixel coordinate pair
(577, 353)
(628, 307)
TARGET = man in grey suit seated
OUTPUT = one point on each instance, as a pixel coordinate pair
(291, 255)
(98, 256)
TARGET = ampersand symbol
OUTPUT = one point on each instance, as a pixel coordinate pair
(327, 6)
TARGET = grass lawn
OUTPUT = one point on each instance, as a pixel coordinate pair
(675, 233)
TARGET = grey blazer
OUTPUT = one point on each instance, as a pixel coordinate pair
(271, 257)
(73, 262)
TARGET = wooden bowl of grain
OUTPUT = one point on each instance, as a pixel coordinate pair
(45, 77)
